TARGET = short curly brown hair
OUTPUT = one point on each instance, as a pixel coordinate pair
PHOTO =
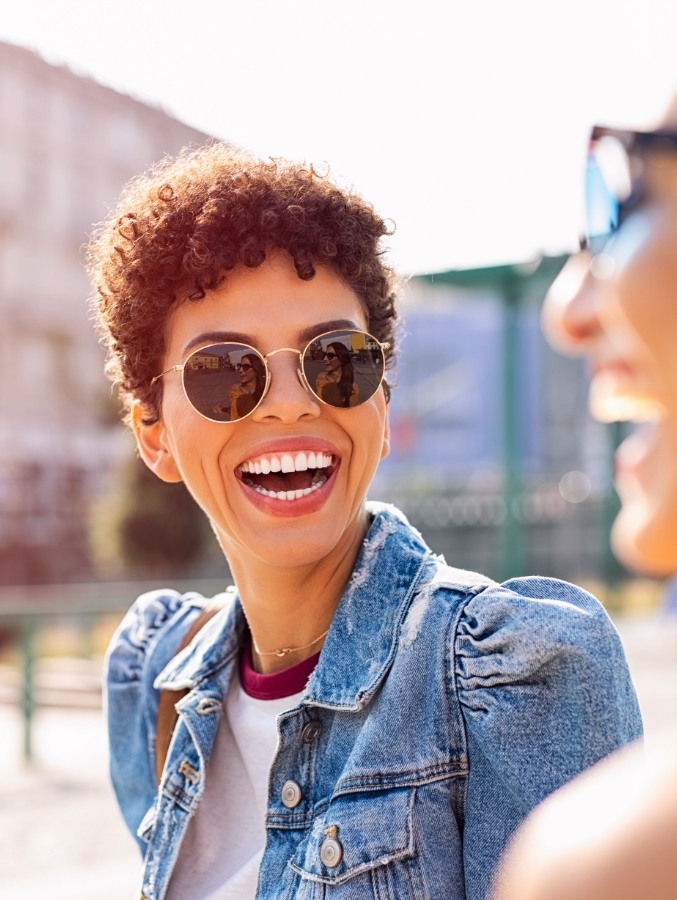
(181, 227)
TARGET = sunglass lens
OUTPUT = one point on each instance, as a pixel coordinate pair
(359, 374)
(211, 379)
(608, 184)
(601, 208)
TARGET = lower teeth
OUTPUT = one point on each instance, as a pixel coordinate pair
(287, 495)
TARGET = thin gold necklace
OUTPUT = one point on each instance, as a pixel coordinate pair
(284, 651)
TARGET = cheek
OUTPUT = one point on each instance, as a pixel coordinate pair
(645, 532)
(381, 431)
(192, 439)
(644, 535)
(385, 449)
(369, 434)
(646, 289)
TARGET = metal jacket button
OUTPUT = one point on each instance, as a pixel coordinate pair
(311, 731)
(331, 852)
(291, 794)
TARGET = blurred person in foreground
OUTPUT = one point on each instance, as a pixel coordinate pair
(358, 719)
(612, 834)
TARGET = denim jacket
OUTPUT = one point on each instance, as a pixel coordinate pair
(444, 706)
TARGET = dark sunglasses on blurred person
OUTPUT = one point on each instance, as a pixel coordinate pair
(614, 178)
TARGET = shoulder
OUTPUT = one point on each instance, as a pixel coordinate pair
(542, 658)
(533, 618)
(530, 630)
(151, 629)
(551, 611)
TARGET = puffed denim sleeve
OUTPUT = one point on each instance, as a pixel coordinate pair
(545, 692)
(145, 641)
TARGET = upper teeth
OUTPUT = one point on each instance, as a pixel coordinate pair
(287, 462)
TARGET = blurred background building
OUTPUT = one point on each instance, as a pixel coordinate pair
(494, 455)
(67, 145)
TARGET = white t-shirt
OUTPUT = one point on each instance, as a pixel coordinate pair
(220, 855)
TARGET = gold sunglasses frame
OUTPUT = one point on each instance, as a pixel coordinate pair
(181, 367)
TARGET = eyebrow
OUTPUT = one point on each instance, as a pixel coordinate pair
(236, 337)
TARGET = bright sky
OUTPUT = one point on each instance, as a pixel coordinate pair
(462, 120)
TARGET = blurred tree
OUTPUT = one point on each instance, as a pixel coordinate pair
(143, 525)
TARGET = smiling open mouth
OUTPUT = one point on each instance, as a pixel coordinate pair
(288, 476)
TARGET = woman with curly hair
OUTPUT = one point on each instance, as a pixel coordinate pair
(357, 719)
(245, 396)
(337, 385)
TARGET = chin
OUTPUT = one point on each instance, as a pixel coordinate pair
(294, 546)
(645, 542)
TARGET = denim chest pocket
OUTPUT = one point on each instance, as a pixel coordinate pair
(362, 846)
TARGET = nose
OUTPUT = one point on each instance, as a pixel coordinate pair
(287, 399)
(569, 317)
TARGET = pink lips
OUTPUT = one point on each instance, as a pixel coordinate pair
(301, 506)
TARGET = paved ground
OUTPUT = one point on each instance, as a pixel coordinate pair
(61, 836)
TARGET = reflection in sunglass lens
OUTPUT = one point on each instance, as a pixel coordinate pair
(608, 185)
(211, 379)
(358, 375)
(601, 208)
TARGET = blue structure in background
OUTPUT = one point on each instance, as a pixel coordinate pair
(447, 408)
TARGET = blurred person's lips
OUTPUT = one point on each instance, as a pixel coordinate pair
(612, 365)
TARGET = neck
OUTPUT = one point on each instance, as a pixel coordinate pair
(290, 607)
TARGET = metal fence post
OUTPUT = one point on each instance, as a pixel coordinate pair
(511, 557)
(27, 693)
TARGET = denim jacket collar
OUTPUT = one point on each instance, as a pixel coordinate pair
(350, 669)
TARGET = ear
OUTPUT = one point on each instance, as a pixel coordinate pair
(385, 449)
(153, 447)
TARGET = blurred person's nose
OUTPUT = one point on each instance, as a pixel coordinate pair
(568, 317)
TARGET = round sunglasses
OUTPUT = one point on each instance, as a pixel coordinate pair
(218, 382)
